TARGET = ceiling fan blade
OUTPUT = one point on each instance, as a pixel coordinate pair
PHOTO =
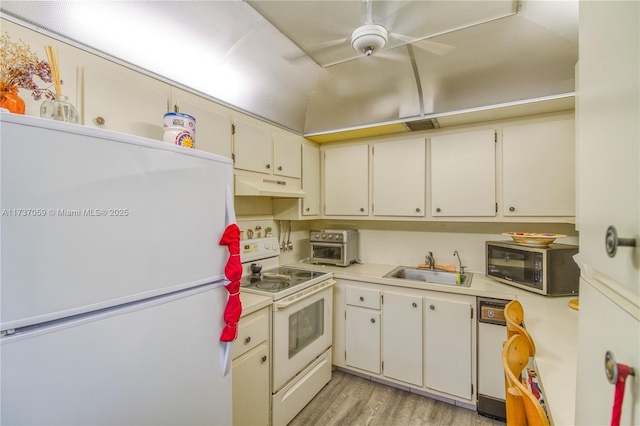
(318, 47)
(424, 44)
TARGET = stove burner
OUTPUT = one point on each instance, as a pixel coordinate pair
(273, 285)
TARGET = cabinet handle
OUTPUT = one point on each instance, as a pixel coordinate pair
(361, 299)
(418, 210)
(432, 307)
(361, 209)
(373, 320)
(438, 210)
(279, 168)
(512, 209)
(414, 304)
(268, 166)
(612, 241)
(247, 340)
(263, 359)
(100, 121)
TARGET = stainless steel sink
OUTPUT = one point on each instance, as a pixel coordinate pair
(431, 276)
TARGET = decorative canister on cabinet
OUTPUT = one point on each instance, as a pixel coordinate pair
(59, 108)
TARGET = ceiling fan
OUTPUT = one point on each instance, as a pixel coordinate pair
(371, 38)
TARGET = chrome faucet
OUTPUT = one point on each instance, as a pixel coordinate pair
(430, 261)
(455, 253)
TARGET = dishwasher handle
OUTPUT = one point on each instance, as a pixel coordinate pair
(492, 312)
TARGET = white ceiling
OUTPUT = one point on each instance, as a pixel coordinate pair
(290, 61)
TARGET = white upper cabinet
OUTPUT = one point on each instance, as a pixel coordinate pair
(287, 155)
(346, 181)
(538, 166)
(125, 101)
(311, 180)
(257, 149)
(399, 178)
(252, 148)
(213, 131)
(463, 174)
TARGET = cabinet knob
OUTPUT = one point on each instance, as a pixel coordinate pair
(263, 359)
(432, 307)
(268, 166)
(512, 209)
(361, 299)
(438, 210)
(100, 121)
(373, 320)
(418, 210)
(612, 241)
(414, 304)
(247, 340)
(361, 209)
(280, 168)
(307, 209)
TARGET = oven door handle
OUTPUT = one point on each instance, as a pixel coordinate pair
(296, 297)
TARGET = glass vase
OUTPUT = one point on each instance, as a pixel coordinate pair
(59, 108)
(10, 100)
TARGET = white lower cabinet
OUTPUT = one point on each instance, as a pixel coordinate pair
(402, 337)
(250, 369)
(362, 320)
(417, 338)
(448, 348)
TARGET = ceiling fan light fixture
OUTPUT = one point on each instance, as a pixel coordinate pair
(369, 38)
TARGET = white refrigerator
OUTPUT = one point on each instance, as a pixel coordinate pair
(112, 279)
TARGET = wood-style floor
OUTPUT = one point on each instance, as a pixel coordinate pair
(349, 400)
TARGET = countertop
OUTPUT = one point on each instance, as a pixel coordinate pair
(253, 302)
(552, 324)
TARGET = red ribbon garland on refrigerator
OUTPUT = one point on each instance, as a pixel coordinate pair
(233, 273)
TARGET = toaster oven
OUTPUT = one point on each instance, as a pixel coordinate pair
(334, 246)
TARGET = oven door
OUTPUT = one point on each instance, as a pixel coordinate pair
(331, 253)
(302, 330)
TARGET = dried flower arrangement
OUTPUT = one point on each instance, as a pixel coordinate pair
(18, 66)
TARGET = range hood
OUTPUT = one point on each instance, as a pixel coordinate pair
(255, 184)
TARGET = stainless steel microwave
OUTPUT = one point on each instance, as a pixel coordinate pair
(548, 270)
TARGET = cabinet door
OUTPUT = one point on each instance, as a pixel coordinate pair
(287, 156)
(252, 148)
(311, 180)
(607, 111)
(448, 347)
(538, 169)
(363, 339)
(346, 181)
(399, 178)
(251, 393)
(128, 102)
(213, 131)
(402, 338)
(463, 174)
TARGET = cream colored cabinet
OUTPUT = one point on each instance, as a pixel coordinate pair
(362, 324)
(463, 174)
(258, 149)
(252, 148)
(448, 345)
(124, 101)
(402, 337)
(538, 169)
(250, 370)
(213, 130)
(346, 181)
(287, 156)
(311, 180)
(399, 178)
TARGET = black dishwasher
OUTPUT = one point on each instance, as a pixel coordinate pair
(492, 333)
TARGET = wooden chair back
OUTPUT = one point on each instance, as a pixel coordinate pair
(514, 315)
(523, 408)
